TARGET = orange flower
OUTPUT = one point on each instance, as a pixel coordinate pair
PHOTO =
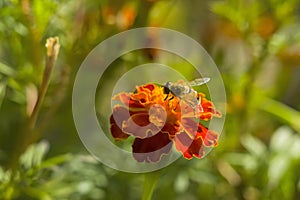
(157, 120)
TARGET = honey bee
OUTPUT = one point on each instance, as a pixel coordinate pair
(184, 91)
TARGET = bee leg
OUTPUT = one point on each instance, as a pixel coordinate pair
(167, 97)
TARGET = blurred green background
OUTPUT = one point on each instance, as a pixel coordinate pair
(256, 46)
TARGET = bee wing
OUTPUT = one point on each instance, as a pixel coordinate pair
(199, 81)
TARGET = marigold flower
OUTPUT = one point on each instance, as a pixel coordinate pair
(158, 120)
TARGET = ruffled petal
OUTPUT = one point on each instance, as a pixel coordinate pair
(190, 126)
(139, 126)
(120, 114)
(189, 147)
(115, 130)
(139, 99)
(196, 149)
(151, 149)
(147, 88)
(171, 129)
(192, 145)
(209, 110)
(123, 97)
(182, 142)
(201, 131)
(211, 139)
(126, 100)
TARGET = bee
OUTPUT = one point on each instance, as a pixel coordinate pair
(184, 91)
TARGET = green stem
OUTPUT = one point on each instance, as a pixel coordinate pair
(30, 135)
(53, 46)
(150, 182)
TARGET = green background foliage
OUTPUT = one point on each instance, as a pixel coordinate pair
(256, 46)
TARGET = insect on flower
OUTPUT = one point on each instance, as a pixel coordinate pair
(153, 115)
(184, 91)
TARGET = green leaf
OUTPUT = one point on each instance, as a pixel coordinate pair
(281, 111)
(6, 70)
(247, 161)
(34, 154)
(281, 139)
(277, 168)
(37, 193)
(181, 183)
(285, 142)
(2, 92)
(285, 146)
(295, 147)
(203, 177)
(55, 161)
(254, 146)
(1, 174)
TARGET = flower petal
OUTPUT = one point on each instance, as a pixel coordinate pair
(123, 97)
(196, 149)
(190, 126)
(127, 100)
(120, 114)
(115, 130)
(151, 149)
(193, 146)
(139, 126)
(171, 129)
(138, 100)
(189, 147)
(211, 139)
(148, 87)
(209, 110)
(182, 142)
